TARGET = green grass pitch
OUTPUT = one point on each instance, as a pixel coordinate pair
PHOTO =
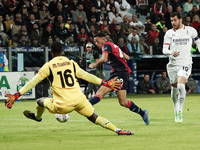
(19, 133)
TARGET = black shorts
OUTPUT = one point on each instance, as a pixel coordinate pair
(122, 76)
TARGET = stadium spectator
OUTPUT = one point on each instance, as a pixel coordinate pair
(152, 34)
(175, 4)
(2, 25)
(49, 42)
(138, 25)
(98, 4)
(157, 47)
(29, 24)
(106, 31)
(3, 62)
(87, 6)
(147, 24)
(65, 4)
(187, 6)
(104, 23)
(167, 3)
(119, 18)
(44, 13)
(118, 33)
(25, 13)
(123, 8)
(120, 71)
(4, 39)
(133, 47)
(187, 21)
(195, 22)
(53, 6)
(161, 24)
(23, 42)
(193, 12)
(167, 17)
(68, 22)
(109, 5)
(79, 12)
(92, 33)
(12, 11)
(3, 10)
(103, 15)
(158, 11)
(133, 34)
(179, 10)
(93, 13)
(9, 24)
(125, 26)
(72, 32)
(81, 24)
(60, 11)
(24, 33)
(145, 86)
(35, 43)
(122, 45)
(36, 33)
(144, 48)
(56, 24)
(84, 35)
(191, 85)
(69, 42)
(91, 56)
(62, 32)
(161, 35)
(112, 26)
(94, 23)
(48, 33)
(162, 83)
(111, 14)
(36, 13)
(196, 3)
(142, 7)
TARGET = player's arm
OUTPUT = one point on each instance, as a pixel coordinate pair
(166, 45)
(126, 57)
(196, 39)
(101, 61)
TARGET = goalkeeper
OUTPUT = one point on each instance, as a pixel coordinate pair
(62, 74)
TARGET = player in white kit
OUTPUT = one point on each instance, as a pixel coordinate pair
(177, 44)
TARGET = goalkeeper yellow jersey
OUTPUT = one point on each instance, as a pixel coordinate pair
(62, 74)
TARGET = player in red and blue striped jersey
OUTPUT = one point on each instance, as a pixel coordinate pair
(120, 69)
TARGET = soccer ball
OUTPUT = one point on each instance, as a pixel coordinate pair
(62, 117)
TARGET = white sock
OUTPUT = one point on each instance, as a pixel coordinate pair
(174, 96)
(117, 129)
(181, 89)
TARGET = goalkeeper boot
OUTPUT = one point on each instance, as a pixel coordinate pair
(176, 117)
(124, 132)
(31, 115)
(180, 117)
(146, 117)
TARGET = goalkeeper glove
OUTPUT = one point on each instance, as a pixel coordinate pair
(113, 84)
(11, 99)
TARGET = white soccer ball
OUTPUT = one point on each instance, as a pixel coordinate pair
(62, 117)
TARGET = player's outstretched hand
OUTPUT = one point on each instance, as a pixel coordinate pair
(113, 84)
(11, 99)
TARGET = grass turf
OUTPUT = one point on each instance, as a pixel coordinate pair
(19, 133)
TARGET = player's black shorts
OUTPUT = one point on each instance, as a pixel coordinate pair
(122, 76)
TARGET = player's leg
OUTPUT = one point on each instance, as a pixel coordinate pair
(121, 94)
(39, 110)
(183, 75)
(86, 109)
(103, 90)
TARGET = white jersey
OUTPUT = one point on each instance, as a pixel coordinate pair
(180, 40)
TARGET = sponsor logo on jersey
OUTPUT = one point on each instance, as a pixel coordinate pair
(181, 41)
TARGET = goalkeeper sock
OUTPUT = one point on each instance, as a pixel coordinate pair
(135, 108)
(39, 111)
(181, 88)
(105, 123)
(174, 96)
(95, 99)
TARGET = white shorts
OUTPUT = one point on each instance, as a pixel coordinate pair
(174, 71)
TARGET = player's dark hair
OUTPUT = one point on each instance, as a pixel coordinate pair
(56, 47)
(176, 14)
(100, 34)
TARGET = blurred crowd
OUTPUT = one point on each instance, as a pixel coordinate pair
(25, 23)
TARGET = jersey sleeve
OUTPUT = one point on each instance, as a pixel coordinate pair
(80, 73)
(194, 34)
(166, 39)
(96, 55)
(106, 49)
